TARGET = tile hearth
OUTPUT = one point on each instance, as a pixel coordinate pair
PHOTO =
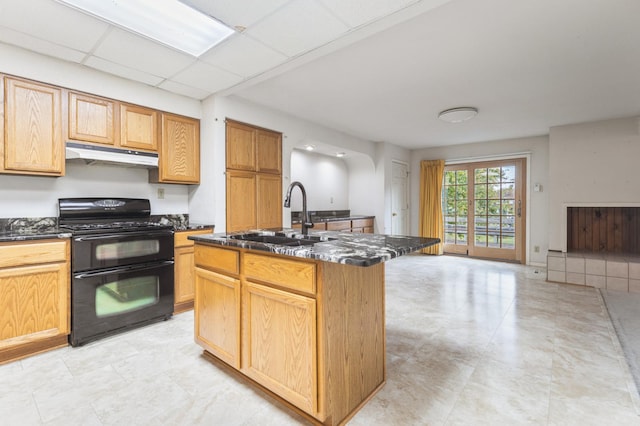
(612, 272)
(468, 342)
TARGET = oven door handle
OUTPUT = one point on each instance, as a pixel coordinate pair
(133, 268)
(123, 234)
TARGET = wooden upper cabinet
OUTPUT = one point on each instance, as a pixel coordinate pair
(269, 151)
(241, 146)
(138, 127)
(179, 150)
(241, 201)
(268, 201)
(254, 177)
(33, 141)
(92, 119)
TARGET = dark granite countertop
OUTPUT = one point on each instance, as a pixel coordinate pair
(336, 247)
(33, 234)
(39, 228)
(194, 227)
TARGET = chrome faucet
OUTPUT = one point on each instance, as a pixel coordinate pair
(306, 220)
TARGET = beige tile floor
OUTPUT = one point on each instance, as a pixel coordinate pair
(469, 342)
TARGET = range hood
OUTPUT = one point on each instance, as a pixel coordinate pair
(93, 154)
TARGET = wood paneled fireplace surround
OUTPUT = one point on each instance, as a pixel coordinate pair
(603, 249)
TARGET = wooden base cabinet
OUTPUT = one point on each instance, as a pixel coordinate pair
(311, 333)
(184, 278)
(280, 343)
(34, 297)
(217, 315)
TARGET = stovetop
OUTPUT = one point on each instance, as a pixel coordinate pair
(78, 228)
(106, 215)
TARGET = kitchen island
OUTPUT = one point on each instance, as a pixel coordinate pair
(300, 316)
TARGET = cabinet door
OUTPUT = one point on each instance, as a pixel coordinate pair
(241, 201)
(241, 146)
(279, 350)
(33, 129)
(184, 268)
(138, 127)
(92, 119)
(269, 152)
(34, 303)
(217, 315)
(269, 201)
(180, 149)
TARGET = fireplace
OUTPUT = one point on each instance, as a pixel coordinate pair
(603, 249)
(603, 230)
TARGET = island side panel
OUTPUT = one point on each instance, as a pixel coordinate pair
(353, 336)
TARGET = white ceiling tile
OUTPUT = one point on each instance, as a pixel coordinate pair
(123, 71)
(358, 12)
(52, 21)
(137, 52)
(243, 56)
(183, 89)
(206, 77)
(237, 12)
(40, 46)
(301, 26)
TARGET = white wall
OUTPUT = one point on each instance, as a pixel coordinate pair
(35, 196)
(207, 202)
(365, 189)
(325, 179)
(538, 170)
(28, 196)
(592, 164)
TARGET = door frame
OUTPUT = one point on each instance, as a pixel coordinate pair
(526, 156)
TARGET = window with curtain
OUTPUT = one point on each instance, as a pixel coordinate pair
(431, 221)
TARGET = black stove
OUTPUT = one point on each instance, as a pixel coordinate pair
(121, 266)
(103, 215)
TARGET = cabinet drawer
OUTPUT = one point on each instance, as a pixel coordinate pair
(18, 254)
(339, 225)
(291, 274)
(217, 258)
(362, 223)
(181, 238)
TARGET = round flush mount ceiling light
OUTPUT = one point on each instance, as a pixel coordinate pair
(309, 147)
(458, 115)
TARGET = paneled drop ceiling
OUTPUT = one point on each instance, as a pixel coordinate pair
(379, 69)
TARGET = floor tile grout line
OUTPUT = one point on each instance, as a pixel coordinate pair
(631, 385)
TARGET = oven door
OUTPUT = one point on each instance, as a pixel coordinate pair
(119, 249)
(109, 301)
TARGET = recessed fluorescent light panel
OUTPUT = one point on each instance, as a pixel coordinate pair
(169, 22)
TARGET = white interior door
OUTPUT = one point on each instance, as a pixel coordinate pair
(400, 199)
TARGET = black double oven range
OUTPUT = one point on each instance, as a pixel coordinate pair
(121, 266)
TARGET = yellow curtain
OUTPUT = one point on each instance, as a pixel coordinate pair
(431, 222)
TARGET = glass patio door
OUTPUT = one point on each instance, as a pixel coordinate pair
(483, 209)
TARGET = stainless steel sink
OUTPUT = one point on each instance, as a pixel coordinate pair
(282, 240)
